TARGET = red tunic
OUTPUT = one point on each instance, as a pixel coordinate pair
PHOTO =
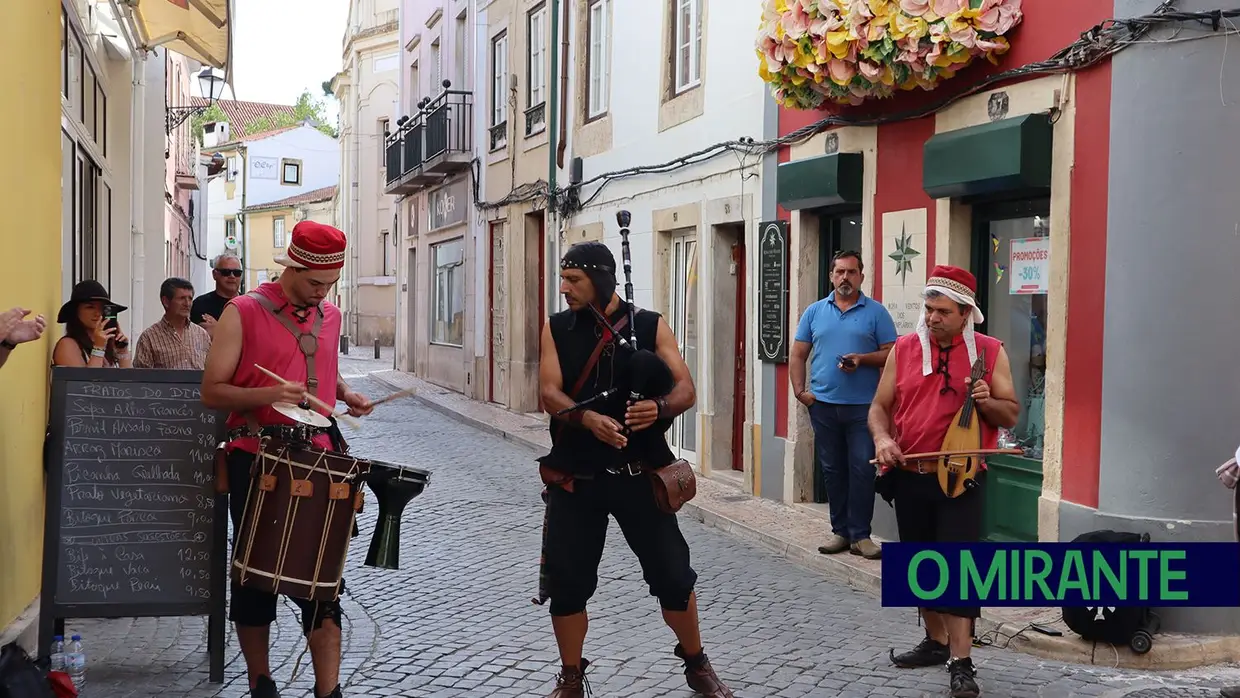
(921, 415)
(267, 342)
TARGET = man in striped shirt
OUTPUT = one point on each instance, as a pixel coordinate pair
(174, 341)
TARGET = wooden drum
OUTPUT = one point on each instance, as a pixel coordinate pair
(298, 522)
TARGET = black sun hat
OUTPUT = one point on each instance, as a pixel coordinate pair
(84, 292)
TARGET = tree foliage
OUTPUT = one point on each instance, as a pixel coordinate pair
(307, 109)
(210, 114)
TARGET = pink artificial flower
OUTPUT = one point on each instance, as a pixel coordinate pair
(915, 8)
(841, 71)
(795, 21)
(998, 16)
(966, 37)
(987, 45)
(944, 8)
(869, 71)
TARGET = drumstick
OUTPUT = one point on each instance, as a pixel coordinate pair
(319, 403)
(393, 396)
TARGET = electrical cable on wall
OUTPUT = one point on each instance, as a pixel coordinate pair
(1095, 45)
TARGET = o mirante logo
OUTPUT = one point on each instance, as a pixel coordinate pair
(1061, 574)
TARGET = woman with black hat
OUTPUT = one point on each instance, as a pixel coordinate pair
(92, 338)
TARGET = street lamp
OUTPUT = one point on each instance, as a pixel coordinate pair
(210, 85)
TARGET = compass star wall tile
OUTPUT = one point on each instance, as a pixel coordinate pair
(904, 255)
(904, 245)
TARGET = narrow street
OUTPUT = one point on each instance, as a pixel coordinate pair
(457, 619)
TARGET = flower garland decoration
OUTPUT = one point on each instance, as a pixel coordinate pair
(847, 51)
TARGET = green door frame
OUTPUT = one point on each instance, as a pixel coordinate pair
(1014, 483)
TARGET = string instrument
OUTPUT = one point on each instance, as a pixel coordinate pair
(959, 465)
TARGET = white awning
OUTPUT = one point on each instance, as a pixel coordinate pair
(198, 29)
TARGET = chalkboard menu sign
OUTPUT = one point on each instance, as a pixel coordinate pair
(773, 292)
(134, 527)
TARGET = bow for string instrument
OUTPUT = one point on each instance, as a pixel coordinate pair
(958, 459)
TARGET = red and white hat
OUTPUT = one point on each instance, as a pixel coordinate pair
(960, 286)
(314, 246)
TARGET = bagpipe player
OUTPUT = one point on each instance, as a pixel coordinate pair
(596, 467)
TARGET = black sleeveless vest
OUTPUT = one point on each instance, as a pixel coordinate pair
(574, 449)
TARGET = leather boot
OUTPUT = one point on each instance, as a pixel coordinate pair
(701, 676)
(571, 682)
(264, 687)
(336, 693)
(1230, 692)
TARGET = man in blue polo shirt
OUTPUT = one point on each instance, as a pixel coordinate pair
(850, 336)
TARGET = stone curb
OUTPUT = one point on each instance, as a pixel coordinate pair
(1169, 652)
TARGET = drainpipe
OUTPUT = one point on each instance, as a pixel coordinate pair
(137, 183)
(242, 219)
(551, 237)
(559, 152)
(125, 19)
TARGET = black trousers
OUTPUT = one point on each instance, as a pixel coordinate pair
(254, 607)
(925, 515)
(577, 530)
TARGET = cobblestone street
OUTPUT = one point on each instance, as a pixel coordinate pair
(457, 620)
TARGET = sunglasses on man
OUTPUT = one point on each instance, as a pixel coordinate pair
(229, 272)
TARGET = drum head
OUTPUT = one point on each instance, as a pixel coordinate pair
(305, 416)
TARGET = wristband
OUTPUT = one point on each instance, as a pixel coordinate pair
(8, 345)
(662, 403)
(98, 352)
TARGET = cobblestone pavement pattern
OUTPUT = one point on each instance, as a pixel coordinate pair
(456, 620)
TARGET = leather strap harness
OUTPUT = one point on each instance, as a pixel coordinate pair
(308, 344)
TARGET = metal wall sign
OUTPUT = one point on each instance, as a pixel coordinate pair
(773, 291)
(449, 204)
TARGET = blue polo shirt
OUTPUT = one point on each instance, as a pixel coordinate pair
(834, 333)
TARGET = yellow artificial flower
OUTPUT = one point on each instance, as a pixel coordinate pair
(905, 26)
(880, 8)
(781, 6)
(837, 43)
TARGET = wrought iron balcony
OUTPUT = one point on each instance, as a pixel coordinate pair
(449, 132)
(499, 135)
(535, 119)
(405, 171)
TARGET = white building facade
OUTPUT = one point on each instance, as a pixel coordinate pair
(262, 168)
(114, 142)
(650, 83)
(368, 90)
(428, 168)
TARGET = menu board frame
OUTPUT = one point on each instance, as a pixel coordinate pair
(52, 612)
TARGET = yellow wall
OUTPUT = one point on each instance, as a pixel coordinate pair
(261, 254)
(30, 277)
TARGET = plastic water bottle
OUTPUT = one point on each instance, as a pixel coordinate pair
(58, 653)
(75, 662)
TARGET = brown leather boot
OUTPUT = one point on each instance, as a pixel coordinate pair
(571, 682)
(701, 676)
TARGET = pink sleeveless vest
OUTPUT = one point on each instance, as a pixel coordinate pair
(923, 413)
(268, 343)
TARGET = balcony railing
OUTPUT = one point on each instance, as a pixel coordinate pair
(499, 135)
(449, 124)
(536, 119)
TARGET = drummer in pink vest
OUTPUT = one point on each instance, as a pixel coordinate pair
(287, 327)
